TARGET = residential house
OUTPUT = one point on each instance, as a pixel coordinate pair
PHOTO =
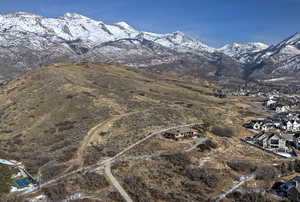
(272, 141)
(293, 126)
(290, 189)
(282, 108)
(183, 133)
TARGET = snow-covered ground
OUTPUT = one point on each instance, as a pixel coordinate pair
(74, 27)
(242, 52)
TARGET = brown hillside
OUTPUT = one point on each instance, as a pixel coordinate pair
(46, 114)
(66, 116)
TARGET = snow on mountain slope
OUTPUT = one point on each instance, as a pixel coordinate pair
(242, 52)
(261, 61)
(132, 52)
(179, 42)
(68, 27)
(282, 51)
(72, 27)
(290, 66)
(280, 59)
(28, 41)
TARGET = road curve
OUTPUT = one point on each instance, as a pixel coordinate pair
(115, 182)
(105, 161)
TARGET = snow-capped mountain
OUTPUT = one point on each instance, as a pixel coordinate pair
(243, 52)
(282, 51)
(282, 59)
(28, 41)
(262, 61)
(74, 27)
(178, 41)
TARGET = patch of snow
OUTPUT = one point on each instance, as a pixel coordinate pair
(7, 162)
(276, 79)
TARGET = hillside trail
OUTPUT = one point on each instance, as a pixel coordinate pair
(102, 164)
(94, 132)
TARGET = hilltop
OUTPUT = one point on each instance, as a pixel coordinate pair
(73, 116)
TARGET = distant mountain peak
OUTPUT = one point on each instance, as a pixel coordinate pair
(294, 38)
(74, 16)
(242, 51)
(124, 25)
(21, 14)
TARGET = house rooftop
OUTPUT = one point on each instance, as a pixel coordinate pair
(182, 130)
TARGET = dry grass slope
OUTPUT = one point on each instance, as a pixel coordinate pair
(64, 116)
(45, 114)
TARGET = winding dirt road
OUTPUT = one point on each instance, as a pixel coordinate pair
(103, 163)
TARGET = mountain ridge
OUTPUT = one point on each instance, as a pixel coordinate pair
(30, 41)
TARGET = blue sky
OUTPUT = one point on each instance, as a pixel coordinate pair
(214, 22)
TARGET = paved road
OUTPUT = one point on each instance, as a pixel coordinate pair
(234, 187)
(115, 182)
(102, 163)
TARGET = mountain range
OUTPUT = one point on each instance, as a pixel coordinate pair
(29, 41)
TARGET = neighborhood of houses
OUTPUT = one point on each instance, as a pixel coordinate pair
(276, 99)
(21, 180)
(279, 134)
(281, 103)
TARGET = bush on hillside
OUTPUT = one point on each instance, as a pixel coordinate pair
(222, 131)
(242, 166)
(266, 173)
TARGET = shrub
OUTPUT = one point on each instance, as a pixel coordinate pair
(252, 197)
(92, 155)
(55, 192)
(222, 131)
(266, 173)
(207, 146)
(50, 171)
(195, 188)
(203, 175)
(179, 161)
(242, 166)
(286, 168)
(297, 166)
(93, 181)
(5, 175)
(12, 198)
(136, 187)
(115, 196)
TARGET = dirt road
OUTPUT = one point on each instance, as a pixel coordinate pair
(115, 182)
(103, 163)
